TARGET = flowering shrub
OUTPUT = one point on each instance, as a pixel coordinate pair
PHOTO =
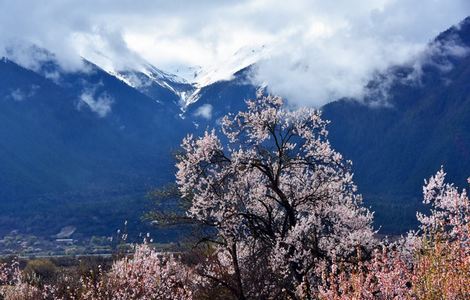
(146, 275)
(442, 268)
(385, 276)
(442, 271)
(14, 285)
(435, 265)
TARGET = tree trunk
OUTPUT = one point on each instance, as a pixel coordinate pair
(238, 275)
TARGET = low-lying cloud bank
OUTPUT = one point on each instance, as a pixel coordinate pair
(319, 50)
(332, 58)
(97, 103)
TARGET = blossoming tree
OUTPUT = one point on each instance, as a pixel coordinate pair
(281, 200)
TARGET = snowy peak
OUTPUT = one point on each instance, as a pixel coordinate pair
(181, 87)
(125, 69)
(189, 73)
(241, 59)
(152, 73)
(227, 70)
(188, 82)
(139, 74)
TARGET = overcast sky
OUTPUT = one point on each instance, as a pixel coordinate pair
(322, 49)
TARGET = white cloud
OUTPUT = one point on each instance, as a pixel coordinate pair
(204, 111)
(320, 49)
(334, 55)
(17, 95)
(100, 105)
(23, 94)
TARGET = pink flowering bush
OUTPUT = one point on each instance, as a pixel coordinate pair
(435, 265)
(146, 275)
(15, 285)
(384, 276)
(442, 268)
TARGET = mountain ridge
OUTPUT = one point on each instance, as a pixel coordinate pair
(76, 144)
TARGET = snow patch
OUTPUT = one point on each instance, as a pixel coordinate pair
(241, 59)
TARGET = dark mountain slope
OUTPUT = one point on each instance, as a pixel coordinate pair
(395, 148)
(222, 97)
(56, 147)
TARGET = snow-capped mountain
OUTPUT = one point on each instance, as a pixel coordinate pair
(75, 144)
(144, 77)
(188, 73)
(156, 83)
(186, 83)
(241, 59)
(225, 71)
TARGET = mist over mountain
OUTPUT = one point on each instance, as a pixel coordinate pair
(83, 147)
(425, 125)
